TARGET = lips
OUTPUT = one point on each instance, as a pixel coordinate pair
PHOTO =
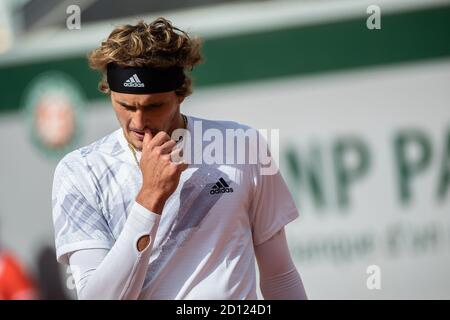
(140, 134)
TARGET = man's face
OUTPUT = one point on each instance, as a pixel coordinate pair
(137, 112)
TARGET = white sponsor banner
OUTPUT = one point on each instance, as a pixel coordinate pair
(367, 157)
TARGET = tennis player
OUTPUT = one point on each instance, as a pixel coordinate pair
(132, 223)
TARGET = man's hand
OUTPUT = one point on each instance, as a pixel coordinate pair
(160, 175)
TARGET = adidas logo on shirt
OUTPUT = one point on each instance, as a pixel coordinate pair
(133, 81)
(221, 186)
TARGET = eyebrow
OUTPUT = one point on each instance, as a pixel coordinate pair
(144, 106)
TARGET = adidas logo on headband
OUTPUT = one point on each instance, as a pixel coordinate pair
(133, 81)
(144, 79)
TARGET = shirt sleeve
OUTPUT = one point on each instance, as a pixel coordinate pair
(118, 273)
(77, 218)
(278, 276)
(272, 205)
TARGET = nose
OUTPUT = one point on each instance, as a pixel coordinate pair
(138, 120)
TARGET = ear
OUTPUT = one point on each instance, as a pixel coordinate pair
(180, 99)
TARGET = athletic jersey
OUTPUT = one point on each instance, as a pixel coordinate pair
(203, 247)
(14, 283)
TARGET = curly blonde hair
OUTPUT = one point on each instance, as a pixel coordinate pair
(158, 45)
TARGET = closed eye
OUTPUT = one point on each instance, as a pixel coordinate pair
(129, 108)
(153, 106)
(147, 107)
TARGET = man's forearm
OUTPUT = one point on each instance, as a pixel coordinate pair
(279, 278)
(151, 201)
(285, 286)
(121, 273)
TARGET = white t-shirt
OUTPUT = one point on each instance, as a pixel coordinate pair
(203, 247)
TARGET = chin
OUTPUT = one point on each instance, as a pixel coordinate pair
(137, 145)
